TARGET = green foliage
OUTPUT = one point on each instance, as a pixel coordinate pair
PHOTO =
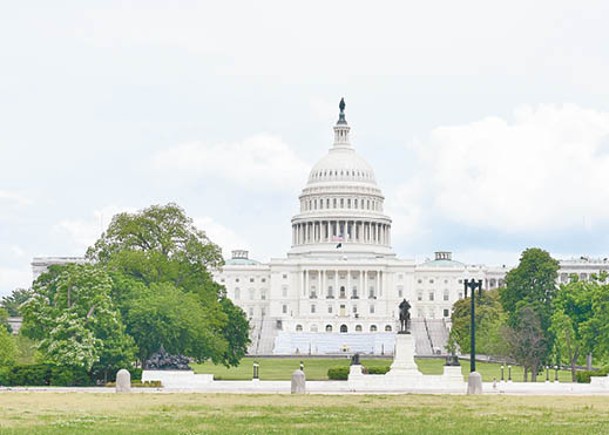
(13, 302)
(338, 373)
(27, 350)
(490, 322)
(4, 320)
(527, 340)
(71, 314)
(378, 370)
(160, 267)
(236, 333)
(43, 375)
(528, 295)
(8, 349)
(583, 376)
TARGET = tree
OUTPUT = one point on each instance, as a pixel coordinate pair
(7, 348)
(573, 311)
(166, 316)
(71, 314)
(527, 341)
(4, 320)
(532, 284)
(13, 302)
(490, 320)
(161, 266)
(236, 333)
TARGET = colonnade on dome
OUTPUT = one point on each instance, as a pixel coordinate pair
(335, 231)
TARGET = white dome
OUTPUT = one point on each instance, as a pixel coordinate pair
(342, 164)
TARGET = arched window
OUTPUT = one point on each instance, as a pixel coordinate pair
(328, 328)
(237, 293)
(344, 329)
(358, 328)
(373, 328)
(298, 328)
(342, 292)
(313, 328)
(387, 328)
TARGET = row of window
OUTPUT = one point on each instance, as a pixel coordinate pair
(341, 203)
(371, 309)
(342, 173)
(251, 293)
(344, 328)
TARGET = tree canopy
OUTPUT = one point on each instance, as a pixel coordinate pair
(75, 320)
(161, 267)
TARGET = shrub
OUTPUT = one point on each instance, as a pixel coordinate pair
(69, 377)
(43, 375)
(338, 373)
(378, 370)
(583, 376)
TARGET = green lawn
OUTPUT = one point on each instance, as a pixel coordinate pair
(99, 413)
(316, 369)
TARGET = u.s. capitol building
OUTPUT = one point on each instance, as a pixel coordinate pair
(340, 284)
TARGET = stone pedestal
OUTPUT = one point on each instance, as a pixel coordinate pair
(298, 382)
(474, 383)
(403, 361)
(123, 381)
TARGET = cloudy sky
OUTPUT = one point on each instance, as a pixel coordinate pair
(487, 124)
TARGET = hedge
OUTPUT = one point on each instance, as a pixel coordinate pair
(338, 373)
(583, 376)
(44, 375)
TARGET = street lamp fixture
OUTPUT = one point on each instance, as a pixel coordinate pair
(472, 285)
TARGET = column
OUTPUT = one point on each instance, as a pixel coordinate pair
(336, 288)
(322, 284)
(378, 283)
(348, 289)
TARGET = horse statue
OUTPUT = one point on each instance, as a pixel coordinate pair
(404, 316)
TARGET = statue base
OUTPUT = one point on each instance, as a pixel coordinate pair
(403, 365)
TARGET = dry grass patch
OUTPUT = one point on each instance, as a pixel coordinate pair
(224, 413)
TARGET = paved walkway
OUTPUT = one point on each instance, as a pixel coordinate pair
(339, 387)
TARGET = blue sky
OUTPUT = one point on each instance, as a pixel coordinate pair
(487, 125)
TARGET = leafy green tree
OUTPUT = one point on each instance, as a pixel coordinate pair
(12, 303)
(490, 320)
(166, 316)
(572, 315)
(7, 348)
(527, 340)
(594, 326)
(532, 285)
(4, 320)
(161, 266)
(236, 333)
(71, 314)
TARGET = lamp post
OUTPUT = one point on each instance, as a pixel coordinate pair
(502, 377)
(256, 370)
(509, 373)
(555, 373)
(547, 373)
(472, 284)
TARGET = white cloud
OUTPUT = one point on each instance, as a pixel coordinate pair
(222, 236)
(546, 170)
(260, 162)
(84, 232)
